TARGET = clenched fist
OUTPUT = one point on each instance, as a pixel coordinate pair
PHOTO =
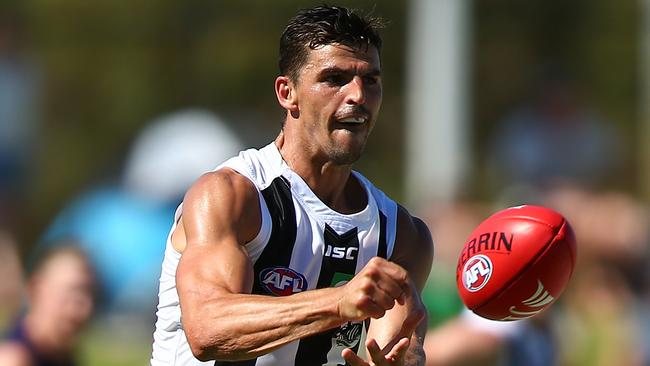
(374, 290)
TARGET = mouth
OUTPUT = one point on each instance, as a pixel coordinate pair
(353, 120)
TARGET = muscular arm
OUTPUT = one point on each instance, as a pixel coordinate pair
(221, 319)
(414, 252)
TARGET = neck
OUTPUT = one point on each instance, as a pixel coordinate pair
(332, 184)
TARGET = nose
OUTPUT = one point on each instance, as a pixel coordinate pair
(356, 94)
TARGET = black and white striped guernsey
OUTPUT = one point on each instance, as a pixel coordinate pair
(302, 245)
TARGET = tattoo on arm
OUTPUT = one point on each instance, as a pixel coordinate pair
(415, 355)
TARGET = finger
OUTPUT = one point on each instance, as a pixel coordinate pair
(397, 283)
(401, 299)
(392, 289)
(369, 308)
(391, 269)
(399, 350)
(376, 355)
(390, 278)
(352, 358)
(382, 298)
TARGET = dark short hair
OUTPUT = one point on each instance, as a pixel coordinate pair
(66, 247)
(323, 25)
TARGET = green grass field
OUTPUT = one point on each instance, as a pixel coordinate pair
(102, 347)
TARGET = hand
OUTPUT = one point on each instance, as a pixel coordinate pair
(378, 357)
(374, 290)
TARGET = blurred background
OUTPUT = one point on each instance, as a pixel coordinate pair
(110, 109)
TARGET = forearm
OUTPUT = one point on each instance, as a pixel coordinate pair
(415, 355)
(244, 326)
(403, 321)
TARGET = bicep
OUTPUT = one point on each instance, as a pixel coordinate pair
(210, 270)
(414, 248)
(218, 218)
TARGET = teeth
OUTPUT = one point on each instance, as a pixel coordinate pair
(353, 120)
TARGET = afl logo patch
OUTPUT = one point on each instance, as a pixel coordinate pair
(477, 272)
(282, 281)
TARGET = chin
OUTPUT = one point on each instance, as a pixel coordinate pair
(345, 157)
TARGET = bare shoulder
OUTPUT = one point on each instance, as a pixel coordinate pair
(413, 246)
(222, 200)
(222, 183)
(14, 354)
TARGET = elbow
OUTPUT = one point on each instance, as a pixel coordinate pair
(213, 345)
(202, 349)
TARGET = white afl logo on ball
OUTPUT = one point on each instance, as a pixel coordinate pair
(477, 272)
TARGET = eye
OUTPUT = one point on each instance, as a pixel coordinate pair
(371, 80)
(336, 79)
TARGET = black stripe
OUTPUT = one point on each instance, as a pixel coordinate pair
(331, 263)
(277, 253)
(237, 363)
(382, 249)
(313, 350)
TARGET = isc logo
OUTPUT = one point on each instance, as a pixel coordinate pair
(282, 281)
(340, 252)
(477, 272)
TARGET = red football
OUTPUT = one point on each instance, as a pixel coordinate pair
(516, 263)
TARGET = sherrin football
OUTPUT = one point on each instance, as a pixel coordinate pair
(516, 263)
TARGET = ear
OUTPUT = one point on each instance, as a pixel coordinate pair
(286, 94)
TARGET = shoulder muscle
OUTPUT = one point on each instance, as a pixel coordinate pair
(413, 246)
(221, 203)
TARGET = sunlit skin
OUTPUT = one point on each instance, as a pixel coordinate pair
(331, 109)
(337, 82)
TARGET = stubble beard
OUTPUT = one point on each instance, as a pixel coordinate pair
(340, 156)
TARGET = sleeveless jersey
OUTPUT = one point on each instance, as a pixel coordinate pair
(302, 245)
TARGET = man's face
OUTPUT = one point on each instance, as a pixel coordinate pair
(339, 94)
(63, 293)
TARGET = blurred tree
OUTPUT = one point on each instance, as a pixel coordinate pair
(112, 65)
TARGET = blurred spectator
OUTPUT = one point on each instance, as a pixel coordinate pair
(597, 324)
(19, 89)
(124, 226)
(553, 138)
(471, 340)
(12, 279)
(61, 292)
(600, 318)
(609, 225)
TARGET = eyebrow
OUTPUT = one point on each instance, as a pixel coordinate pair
(334, 70)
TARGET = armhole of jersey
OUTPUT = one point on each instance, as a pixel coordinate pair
(170, 246)
(255, 246)
(388, 207)
(391, 228)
